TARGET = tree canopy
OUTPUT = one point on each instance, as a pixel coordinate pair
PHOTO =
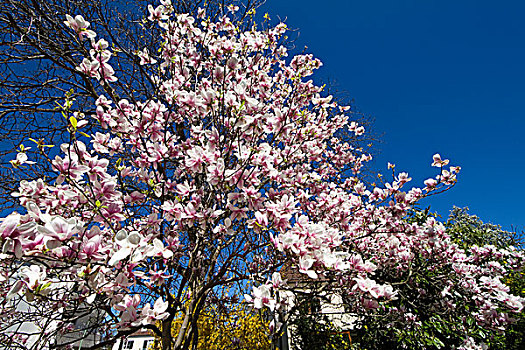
(194, 161)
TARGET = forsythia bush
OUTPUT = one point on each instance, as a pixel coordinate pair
(239, 327)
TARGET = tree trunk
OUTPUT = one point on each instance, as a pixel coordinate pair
(166, 334)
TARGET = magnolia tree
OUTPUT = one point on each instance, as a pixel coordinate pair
(235, 164)
(405, 280)
(444, 296)
(38, 60)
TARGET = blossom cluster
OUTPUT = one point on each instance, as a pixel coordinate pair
(238, 161)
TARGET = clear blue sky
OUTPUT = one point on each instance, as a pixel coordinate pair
(437, 76)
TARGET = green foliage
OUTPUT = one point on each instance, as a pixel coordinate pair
(384, 329)
(313, 330)
(468, 230)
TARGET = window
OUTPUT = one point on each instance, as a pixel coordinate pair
(146, 344)
(128, 344)
(309, 305)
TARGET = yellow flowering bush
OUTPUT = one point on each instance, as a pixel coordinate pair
(239, 328)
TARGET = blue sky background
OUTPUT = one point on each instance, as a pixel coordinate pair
(442, 77)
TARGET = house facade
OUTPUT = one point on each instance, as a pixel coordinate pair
(140, 340)
(319, 301)
(79, 336)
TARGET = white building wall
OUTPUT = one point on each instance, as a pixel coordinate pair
(30, 329)
(134, 342)
(331, 305)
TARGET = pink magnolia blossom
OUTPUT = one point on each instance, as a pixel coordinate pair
(261, 297)
(21, 159)
(237, 162)
(438, 162)
(80, 26)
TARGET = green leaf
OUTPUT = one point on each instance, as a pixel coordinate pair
(73, 122)
(41, 288)
(482, 334)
